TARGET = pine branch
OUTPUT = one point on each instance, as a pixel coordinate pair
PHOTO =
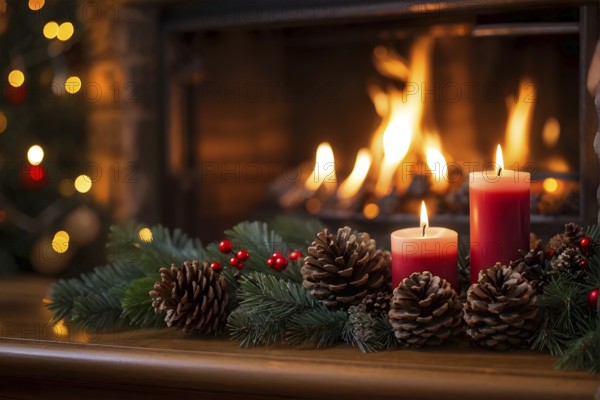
(65, 293)
(166, 247)
(297, 232)
(583, 353)
(136, 304)
(98, 312)
(367, 332)
(319, 326)
(252, 329)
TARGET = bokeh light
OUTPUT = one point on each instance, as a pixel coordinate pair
(65, 31)
(73, 84)
(35, 5)
(145, 235)
(83, 184)
(550, 185)
(60, 242)
(50, 30)
(16, 78)
(371, 211)
(35, 155)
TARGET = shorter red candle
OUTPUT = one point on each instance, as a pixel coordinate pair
(425, 248)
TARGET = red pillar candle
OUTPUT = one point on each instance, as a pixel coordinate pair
(499, 208)
(425, 248)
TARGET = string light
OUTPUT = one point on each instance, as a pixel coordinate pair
(65, 31)
(83, 184)
(73, 84)
(35, 155)
(60, 242)
(145, 235)
(35, 5)
(16, 78)
(3, 122)
(550, 185)
(50, 30)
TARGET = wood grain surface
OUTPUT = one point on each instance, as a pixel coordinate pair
(41, 361)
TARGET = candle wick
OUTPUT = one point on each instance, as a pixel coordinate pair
(424, 226)
(499, 171)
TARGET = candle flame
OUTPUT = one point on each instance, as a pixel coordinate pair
(424, 218)
(353, 182)
(499, 160)
(324, 171)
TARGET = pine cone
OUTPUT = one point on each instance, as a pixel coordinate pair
(568, 259)
(340, 270)
(193, 296)
(570, 237)
(531, 266)
(377, 303)
(425, 310)
(500, 309)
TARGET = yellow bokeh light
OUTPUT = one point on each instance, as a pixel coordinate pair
(35, 5)
(60, 329)
(550, 185)
(65, 31)
(50, 30)
(145, 235)
(60, 243)
(83, 184)
(371, 211)
(16, 78)
(35, 155)
(3, 122)
(73, 84)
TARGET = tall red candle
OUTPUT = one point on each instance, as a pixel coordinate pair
(426, 248)
(499, 216)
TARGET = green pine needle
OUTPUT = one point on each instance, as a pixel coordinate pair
(297, 232)
(583, 353)
(318, 326)
(136, 304)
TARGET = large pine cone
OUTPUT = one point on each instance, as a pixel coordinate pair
(425, 310)
(531, 266)
(500, 309)
(341, 269)
(193, 296)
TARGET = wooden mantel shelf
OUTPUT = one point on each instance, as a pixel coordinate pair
(38, 361)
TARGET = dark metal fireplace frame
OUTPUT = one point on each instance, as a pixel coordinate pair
(178, 18)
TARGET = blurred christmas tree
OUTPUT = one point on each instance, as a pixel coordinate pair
(47, 219)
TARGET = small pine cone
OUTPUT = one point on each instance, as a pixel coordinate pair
(193, 296)
(572, 234)
(568, 259)
(341, 269)
(377, 303)
(425, 310)
(531, 266)
(361, 323)
(500, 309)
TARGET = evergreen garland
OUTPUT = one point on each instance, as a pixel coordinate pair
(270, 306)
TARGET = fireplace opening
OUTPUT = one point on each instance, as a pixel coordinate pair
(358, 121)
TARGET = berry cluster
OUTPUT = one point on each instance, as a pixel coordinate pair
(236, 261)
(279, 263)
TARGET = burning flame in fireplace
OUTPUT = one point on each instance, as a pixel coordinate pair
(436, 162)
(350, 187)
(324, 172)
(518, 126)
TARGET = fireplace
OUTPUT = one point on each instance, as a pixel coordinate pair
(251, 90)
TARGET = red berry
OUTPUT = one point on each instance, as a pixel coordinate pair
(583, 263)
(240, 265)
(281, 263)
(225, 246)
(295, 255)
(243, 255)
(593, 299)
(585, 242)
(271, 262)
(551, 252)
(276, 255)
(234, 261)
(216, 266)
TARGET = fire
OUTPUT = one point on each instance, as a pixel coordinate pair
(324, 171)
(437, 164)
(551, 132)
(424, 218)
(519, 122)
(404, 109)
(499, 160)
(350, 187)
